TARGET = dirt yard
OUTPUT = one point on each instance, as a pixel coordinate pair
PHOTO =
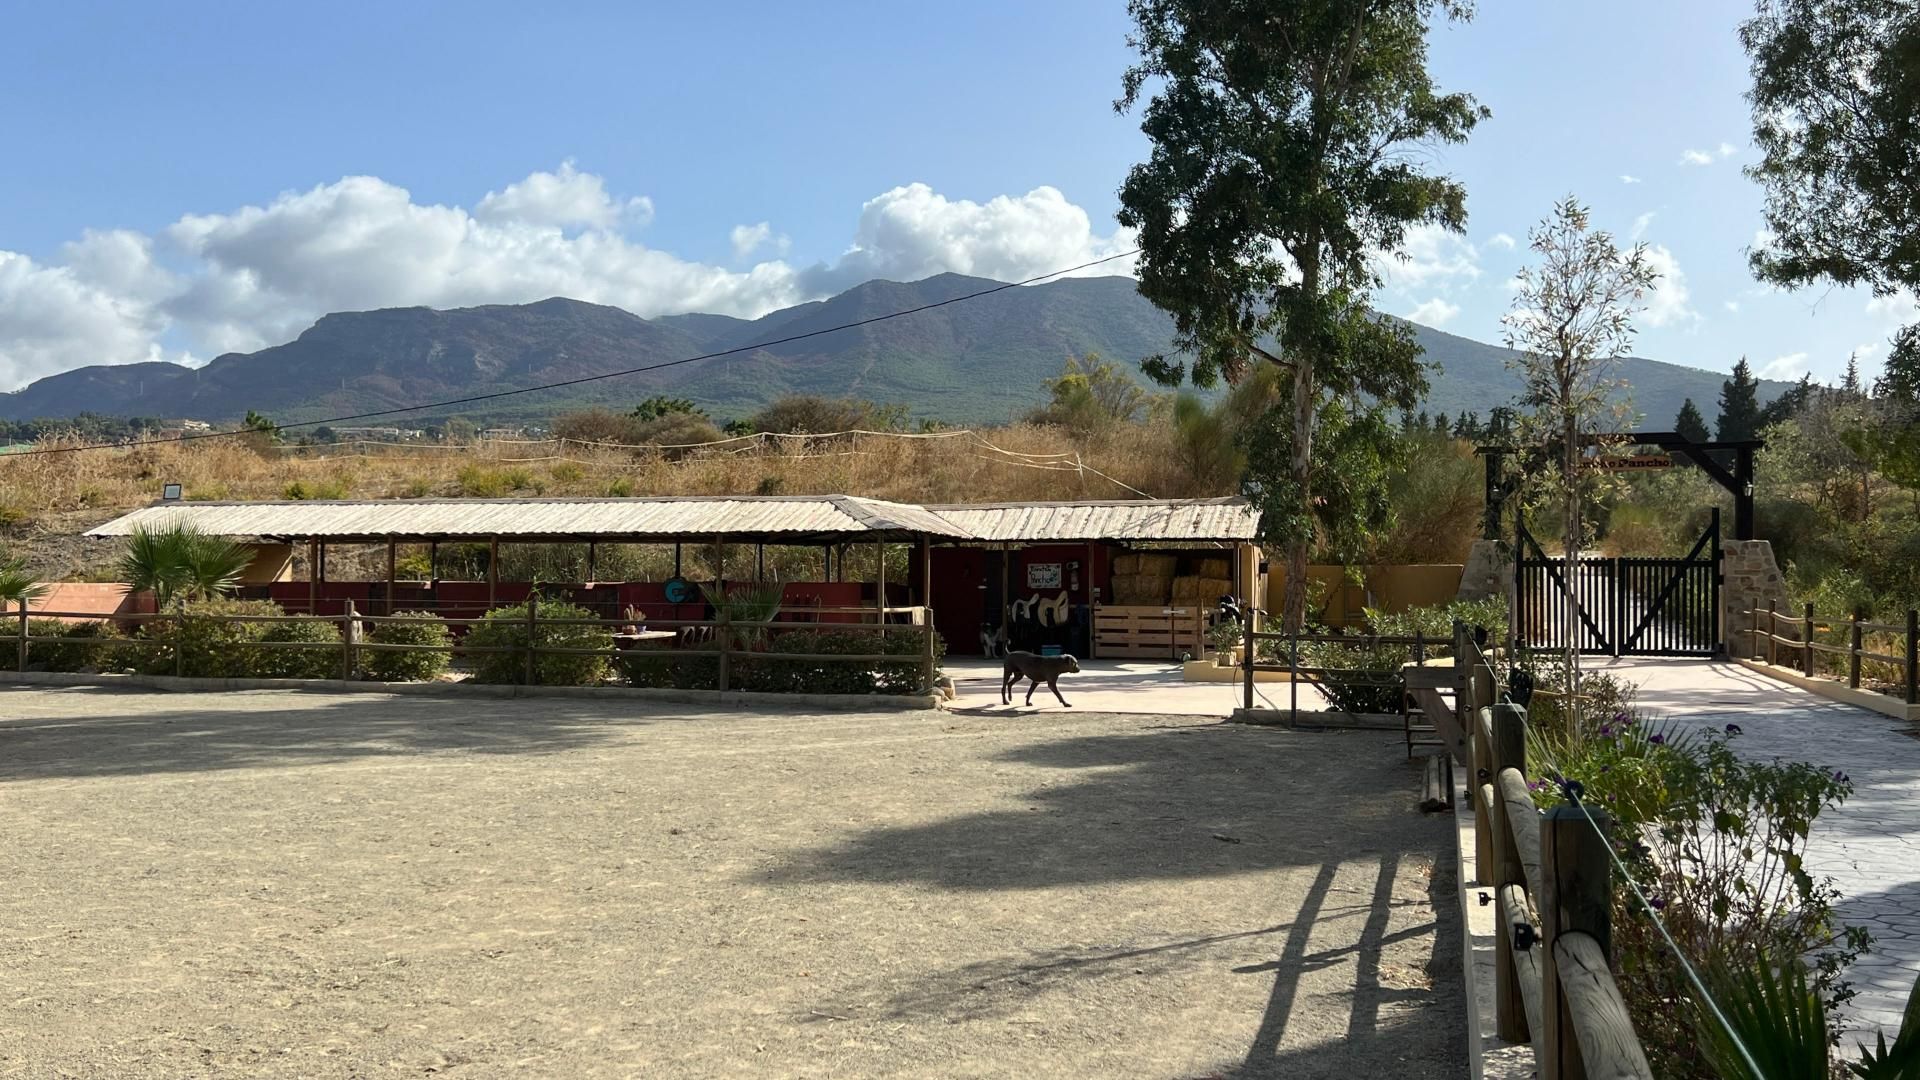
(305, 885)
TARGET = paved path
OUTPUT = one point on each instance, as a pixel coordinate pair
(1871, 845)
(1117, 686)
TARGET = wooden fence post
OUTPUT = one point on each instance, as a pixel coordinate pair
(23, 634)
(1773, 627)
(1246, 658)
(1913, 656)
(1509, 752)
(1579, 898)
(725, 636)
(533, 628)
(926, 645)
(179, 624)
(1806, 645)
(1853, 652)
(346, 641)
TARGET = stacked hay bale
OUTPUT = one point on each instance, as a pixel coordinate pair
(1142, 578)
(1211, 580)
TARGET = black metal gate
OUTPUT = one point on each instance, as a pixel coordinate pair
(1621, 607)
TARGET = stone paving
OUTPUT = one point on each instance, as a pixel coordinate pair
(1870, 846)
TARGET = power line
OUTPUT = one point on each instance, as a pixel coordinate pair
(587, 378)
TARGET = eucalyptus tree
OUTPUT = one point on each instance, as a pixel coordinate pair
(1285, 162)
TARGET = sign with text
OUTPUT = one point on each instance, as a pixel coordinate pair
(1631, 462)
(1043, 575)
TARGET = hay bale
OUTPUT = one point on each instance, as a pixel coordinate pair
(1128, 563)
(1213, 568)
(1158, 563)
(1186, 588)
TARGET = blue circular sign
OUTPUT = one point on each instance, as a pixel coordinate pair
(679, 591)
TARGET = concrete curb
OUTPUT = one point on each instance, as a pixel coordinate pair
(1836, 691)
(746, 698)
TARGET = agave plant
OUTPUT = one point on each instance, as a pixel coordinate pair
(1776, 1028)
(182, 563)
(748, 611)
(17, 585)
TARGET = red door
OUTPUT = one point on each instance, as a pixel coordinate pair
(959, 597)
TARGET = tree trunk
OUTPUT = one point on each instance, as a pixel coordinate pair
(1573, 533)
(1301, 469)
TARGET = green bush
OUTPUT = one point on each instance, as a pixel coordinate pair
(508, 627)
(1361, 676)
(83, 646)
(420, 628)
(320, 662)
(206, 640)
(762, 670)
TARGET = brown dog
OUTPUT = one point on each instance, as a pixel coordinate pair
(1026, 665)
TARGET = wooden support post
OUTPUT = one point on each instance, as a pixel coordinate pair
(346, 640)
(433, 564)
(724, 636)
(1578, 900)
(676, 558)
(759, 563)
(880, 589)
(533, 630)
(313, 577)
(1806, 645)
(1509, 752)
(593, 569)
(1853, 652)
(1913, 656)
(392, 576)
(23, 634)
(493, 573)
(1003, 634)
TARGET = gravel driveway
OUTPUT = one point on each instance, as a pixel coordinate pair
(310, 885)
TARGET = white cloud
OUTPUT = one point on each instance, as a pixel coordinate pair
(1667, 301)
(1695, 157)
(562, 199)
(1503, 241)
(1726, 149)
(1640, 224)
(748, 239)
(258, 275)
(1627, 178)
(1434, 312)
(1732, 306)
(1788, 367)
(1430, 257)
(1895, 308)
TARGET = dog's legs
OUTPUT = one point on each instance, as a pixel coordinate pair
(1007, 679)
(1053, 684)
(1031, 687)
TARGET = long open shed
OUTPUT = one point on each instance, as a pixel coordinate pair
(1115, 578)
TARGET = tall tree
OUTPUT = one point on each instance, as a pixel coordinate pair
(1690, 424)
(1739, 405)
(1280, 169)
(1572, 321)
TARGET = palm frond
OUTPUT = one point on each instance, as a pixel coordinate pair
(17, 584)
(1774, 1020)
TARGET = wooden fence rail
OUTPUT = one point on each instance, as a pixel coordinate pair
(1803, 647)
(721, 638)
(1552, 886)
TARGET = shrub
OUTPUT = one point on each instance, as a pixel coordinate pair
(83, 646)
(420, 628)
(762, 669)
(320, 662)
(1361, 676)
(334, 488)
(206, 640)
(481, 482)
(508, 627)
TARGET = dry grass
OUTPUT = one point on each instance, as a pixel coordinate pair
(46, 499)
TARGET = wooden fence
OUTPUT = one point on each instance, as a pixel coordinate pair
(1803, 647)
(1383, 678)
(722, 638)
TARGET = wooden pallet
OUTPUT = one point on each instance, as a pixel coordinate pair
(1148, 632)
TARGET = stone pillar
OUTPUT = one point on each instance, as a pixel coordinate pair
(1489, 572)
(1752, 579)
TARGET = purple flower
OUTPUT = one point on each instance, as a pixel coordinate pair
(1657, 740)
(1606, 768)
(1622, 719)
(1733, 729)
(1841, 777)
(1657, 904)
(1573, 789)
(1606, 731)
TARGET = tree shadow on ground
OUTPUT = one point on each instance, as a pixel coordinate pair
(1195, 803)
(108, 731)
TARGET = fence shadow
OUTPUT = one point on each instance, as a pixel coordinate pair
(99, 731)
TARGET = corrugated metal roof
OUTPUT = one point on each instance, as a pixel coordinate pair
(1181, 519)
(533, 519)
(744, 517)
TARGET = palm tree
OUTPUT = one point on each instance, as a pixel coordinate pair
(17, 585)
(182, 563)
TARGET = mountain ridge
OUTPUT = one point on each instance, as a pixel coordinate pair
(974, 362)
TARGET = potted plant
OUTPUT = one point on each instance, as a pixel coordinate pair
(1222, 637)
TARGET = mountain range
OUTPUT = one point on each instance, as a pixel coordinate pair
(976, 361)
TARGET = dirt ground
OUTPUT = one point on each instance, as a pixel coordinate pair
(307, 885)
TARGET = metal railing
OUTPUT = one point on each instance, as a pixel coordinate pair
(1805, 649)
(723, 638)
(1387, 678)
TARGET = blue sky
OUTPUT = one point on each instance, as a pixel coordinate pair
(183, 180)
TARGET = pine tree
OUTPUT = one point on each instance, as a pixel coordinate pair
(1739, 405)
(1691, 425)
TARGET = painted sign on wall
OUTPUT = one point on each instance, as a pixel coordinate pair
(1044, 575)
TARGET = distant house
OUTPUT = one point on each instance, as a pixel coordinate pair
(504, 433)
(195, 425)
(377, 434)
